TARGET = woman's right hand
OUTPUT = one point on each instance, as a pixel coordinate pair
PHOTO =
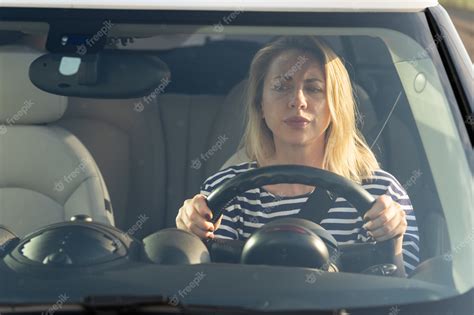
(194, 216)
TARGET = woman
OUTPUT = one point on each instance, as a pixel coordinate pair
(301, 111)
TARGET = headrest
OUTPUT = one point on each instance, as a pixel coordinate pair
(20, 101)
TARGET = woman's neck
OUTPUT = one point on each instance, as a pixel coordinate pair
(310, 155)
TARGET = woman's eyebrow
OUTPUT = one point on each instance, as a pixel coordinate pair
(313, 80)
(288, 78)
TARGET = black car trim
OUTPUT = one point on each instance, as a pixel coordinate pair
(451, 60)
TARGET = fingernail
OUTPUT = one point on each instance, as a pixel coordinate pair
(208, 217)
(365, 226)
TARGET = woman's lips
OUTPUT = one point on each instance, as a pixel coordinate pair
(297, 122)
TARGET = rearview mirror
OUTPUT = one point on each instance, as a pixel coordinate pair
(108, 74)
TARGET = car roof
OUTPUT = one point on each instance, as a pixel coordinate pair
(229, 5)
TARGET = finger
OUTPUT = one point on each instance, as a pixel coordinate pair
(191, 216)
(179, 220)
(189, 226)
(218, 223)
(180, 223)
(381, 203)
(200, 232)
(398, 232)
(183, 226)
(200, 204)
(197, 220)
(188, 210)
(394, 227)
(384, 216)
(216, 226)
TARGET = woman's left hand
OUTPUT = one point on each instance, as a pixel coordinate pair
(386, 220)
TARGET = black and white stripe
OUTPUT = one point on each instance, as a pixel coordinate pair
(249, 211)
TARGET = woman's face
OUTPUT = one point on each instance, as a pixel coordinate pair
(294, 102)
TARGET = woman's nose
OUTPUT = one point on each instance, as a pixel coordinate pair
(298, 99)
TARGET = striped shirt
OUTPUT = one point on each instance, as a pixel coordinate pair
(255, 207)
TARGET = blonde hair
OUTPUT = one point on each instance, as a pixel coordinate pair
(346, 151)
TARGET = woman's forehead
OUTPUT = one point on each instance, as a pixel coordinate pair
(293, 62)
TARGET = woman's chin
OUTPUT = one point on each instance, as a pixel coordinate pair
(296, 143)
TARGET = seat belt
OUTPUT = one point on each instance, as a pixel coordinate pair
(317, 206)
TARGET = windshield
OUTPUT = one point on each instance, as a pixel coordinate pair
(123, 124)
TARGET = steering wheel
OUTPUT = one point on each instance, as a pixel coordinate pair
(268, 239)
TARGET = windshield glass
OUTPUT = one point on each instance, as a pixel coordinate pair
(134, 125)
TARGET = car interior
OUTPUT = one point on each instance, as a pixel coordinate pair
(139, 159)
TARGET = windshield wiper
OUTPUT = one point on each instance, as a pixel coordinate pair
(159, 304)
(129, 303)
(148, 304)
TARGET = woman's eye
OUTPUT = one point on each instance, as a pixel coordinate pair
(279, 87)
(314, 89)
